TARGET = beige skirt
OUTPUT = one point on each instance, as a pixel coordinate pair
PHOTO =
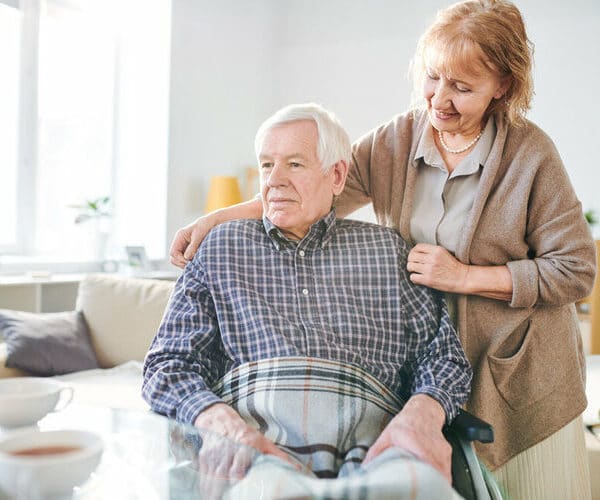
(556, 468)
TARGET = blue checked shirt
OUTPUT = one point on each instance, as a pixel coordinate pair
(341, 293)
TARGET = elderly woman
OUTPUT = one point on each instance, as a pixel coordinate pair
(485, 198)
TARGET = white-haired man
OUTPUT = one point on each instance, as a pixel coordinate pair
(301, 335)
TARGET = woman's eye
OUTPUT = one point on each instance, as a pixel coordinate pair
(432, 76)
(462, 89)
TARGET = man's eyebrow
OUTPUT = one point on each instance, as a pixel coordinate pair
(291, 156)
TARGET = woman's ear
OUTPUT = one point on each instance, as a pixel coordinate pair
(339, 172)
(503, 88)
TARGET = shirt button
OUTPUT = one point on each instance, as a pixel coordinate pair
(301, 252)
(305, 291)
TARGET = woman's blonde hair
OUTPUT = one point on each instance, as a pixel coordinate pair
(478, 35)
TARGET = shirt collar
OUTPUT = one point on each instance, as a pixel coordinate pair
(428, 152)
(318, 235)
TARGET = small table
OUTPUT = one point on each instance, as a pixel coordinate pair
(147, 456)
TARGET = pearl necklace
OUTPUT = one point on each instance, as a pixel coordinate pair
(460, 150)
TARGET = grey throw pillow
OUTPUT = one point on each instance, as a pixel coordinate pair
(47, 343)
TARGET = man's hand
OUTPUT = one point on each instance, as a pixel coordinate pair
(418, 429)
(224, 420)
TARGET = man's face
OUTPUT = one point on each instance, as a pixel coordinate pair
(295, 191)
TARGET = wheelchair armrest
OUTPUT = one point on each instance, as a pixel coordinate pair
(471, 428)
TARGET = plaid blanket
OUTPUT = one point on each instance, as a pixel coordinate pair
(326, 415)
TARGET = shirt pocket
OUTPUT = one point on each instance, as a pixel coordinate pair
(522, 366)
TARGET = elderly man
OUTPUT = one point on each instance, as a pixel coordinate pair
(301, 335)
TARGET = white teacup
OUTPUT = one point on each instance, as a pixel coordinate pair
(25, 400)
(41, 464)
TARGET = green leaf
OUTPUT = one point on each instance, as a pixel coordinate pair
(591, 217)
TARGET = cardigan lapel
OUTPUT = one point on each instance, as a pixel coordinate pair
(488, 176)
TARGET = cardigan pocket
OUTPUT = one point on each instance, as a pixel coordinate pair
(527, 376)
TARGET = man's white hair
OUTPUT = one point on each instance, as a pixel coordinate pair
(333, 142)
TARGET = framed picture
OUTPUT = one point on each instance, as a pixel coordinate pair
(137, 259)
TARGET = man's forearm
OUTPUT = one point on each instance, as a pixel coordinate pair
(219, 418)
(427, 409)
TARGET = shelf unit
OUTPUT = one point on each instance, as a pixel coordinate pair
(54, 293)
(49, 294)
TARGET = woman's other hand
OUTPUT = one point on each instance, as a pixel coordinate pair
(435, 267)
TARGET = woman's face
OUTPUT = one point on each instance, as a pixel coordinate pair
(457, 103)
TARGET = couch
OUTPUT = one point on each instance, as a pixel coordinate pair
(123, 315)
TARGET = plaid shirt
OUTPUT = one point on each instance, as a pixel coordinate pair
(341, 293)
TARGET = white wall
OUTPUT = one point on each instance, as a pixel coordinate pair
(221, 82)
(567, 83)
(235, 62)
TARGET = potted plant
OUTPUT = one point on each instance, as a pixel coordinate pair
(96, 211)
(92, 209)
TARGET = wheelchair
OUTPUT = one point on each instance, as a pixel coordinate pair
(469, 477)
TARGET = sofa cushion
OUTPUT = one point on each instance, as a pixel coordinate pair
(123, 315)
(6, 372)
(47, 343)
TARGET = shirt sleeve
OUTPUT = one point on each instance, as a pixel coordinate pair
(440, 369)
(186, 356)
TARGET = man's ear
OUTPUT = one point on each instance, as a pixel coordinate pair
(339, 172)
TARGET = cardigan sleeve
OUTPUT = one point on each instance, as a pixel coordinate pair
(377, 172)
(562, 263)
(356, 192)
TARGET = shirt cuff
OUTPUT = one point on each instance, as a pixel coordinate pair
(450, 409)
(192, 406)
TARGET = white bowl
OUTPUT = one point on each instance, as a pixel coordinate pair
(25, 400)
(35, 476)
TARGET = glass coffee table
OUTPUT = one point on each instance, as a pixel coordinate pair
(147, 456)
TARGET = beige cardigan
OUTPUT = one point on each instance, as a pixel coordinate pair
(529, 374)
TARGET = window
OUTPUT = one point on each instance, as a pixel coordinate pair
(10, 36)
(94, 123)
